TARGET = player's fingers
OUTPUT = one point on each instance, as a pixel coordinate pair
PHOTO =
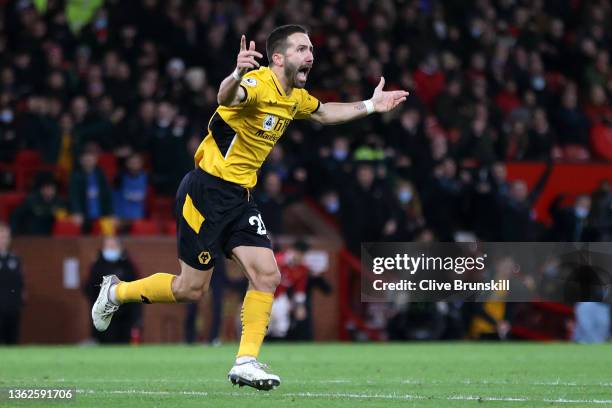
(381, 84)
(251, 61)
(248, 63)
(242, 43)
(251, 54)
(252, 46)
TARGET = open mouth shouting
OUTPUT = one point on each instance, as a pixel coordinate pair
(302, 73)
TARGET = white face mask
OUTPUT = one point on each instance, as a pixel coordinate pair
(405, 196)
(581, 212)
(111, 255)
(332, 206)
(6, 116)
(340, 154)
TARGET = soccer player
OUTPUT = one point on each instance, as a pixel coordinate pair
(214, 201)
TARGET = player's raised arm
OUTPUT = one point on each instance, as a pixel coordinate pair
(381, 101)
(230, 93)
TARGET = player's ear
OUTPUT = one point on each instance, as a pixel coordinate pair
(278, 59)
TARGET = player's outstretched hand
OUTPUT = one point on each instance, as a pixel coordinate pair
(384, 101)
(246, 58)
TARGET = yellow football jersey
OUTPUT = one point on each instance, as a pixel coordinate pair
(240, 137)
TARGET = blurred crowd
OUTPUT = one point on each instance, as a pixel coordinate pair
(490, 82)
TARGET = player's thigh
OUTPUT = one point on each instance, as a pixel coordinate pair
(259, 265)
(249, 244)
(199, 223)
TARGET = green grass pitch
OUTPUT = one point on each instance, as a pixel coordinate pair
(319, 375)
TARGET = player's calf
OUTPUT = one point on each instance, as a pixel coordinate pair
(186, 290)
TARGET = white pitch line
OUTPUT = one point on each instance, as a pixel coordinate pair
(332, 381)
(351, 396)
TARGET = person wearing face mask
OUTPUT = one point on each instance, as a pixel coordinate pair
(409, 211)
(331, 202)
(113, 259)
(571, 224)
(12, 291)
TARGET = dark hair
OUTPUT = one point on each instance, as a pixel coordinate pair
(277, 40)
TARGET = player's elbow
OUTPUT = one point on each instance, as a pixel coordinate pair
(320, 118)
(222, 100)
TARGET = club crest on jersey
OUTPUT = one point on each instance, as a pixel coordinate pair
(250, 81)
(269, 122)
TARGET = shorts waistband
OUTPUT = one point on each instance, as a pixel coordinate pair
(225, 183)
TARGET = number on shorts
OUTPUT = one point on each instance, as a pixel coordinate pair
(261, 227)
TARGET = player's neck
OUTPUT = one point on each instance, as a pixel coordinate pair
(282, 79)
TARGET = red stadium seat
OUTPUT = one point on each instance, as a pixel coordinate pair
(66, 228)
(108, 163)
(27, 164)
(28, 158)
(144, 227)
(162, 208)
(8, 203)
(170, 228)
(601, 140)
(96, 228)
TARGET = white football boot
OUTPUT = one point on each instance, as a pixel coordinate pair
(254, 374)
(102, 311)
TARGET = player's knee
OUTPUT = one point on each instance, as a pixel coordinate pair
(267, 278)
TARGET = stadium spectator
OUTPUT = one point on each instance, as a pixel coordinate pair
(572, 124)
(139, 129)
(130, 192)
(366, 213)
(65, 154)
(541, 137)
(289, 308)
(168, 147)
(330, 201)
(113, 259)
(408, 210)
(271, 202)
(37, 214)
(444, 200)
(336, 162)
(592, 322)
(517, 221)
(571, 224)
(12, 292)
(89, 191)
(601, 211)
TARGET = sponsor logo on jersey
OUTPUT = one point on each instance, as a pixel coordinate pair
(269, 122)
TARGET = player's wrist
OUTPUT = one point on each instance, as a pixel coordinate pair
(369, 105)
(237, 75)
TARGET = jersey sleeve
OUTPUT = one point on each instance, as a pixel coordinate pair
(252, 89)
(307, 106)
